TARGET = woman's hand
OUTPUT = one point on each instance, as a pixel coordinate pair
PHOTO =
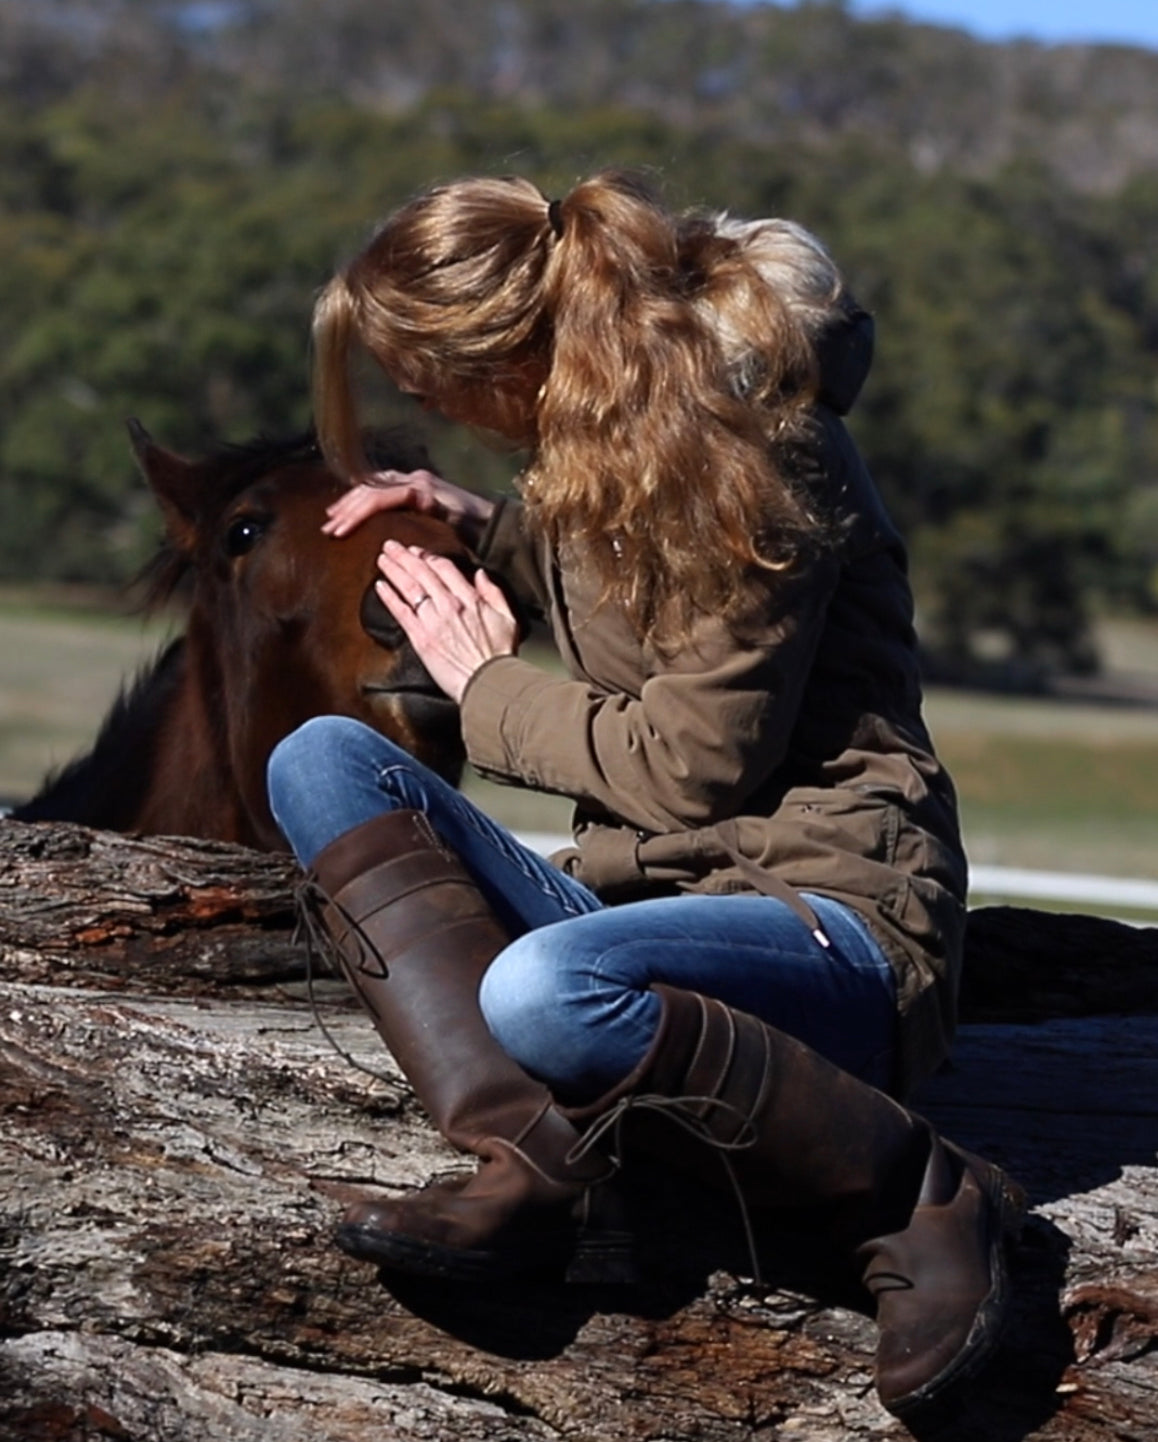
(453, 623)
(409, 490)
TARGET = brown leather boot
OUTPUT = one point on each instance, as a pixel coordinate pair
(927, 1222)
(940, 1283)
(413, 936)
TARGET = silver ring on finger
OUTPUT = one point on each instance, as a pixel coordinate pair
(421, 601)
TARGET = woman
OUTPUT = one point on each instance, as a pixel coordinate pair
(759, 927)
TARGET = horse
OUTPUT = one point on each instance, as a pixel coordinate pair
(283, 624)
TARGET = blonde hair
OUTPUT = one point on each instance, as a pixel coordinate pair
(447, 298)
(659, 367)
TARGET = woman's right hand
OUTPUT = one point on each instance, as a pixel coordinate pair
(421, 490)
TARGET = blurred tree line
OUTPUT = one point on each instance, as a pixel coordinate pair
(176, 180)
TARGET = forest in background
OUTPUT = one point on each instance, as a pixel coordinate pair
(177, 179)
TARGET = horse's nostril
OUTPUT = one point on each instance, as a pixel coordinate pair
(378, 623)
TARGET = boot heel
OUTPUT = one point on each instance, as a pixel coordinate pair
(602, 1258)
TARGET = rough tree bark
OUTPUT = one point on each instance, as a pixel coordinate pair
(179, 1135)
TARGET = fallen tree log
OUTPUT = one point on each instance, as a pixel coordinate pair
(179, 1136)
(180, 915)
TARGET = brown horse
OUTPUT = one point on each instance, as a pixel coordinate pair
(283, 624)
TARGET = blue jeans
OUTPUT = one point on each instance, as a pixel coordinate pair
(569, 998)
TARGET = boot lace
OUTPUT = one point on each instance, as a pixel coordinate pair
(608, 1130)
(311, 931)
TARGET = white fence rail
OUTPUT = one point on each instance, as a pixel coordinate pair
(1062, 887)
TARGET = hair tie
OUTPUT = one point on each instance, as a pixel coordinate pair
(555, 216)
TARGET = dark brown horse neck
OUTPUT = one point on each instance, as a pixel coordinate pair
(160, 764)
(192, 788)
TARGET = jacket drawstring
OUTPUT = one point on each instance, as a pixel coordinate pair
(769, 884)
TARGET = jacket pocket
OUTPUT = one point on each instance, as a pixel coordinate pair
(838, 825)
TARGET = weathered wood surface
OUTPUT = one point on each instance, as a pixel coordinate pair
(81, 907)
(178, 1137)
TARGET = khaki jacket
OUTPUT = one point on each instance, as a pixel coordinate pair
(792, 756)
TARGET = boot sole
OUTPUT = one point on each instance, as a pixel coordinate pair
(424, 1259)
(598, 1259)
(1010, 1204)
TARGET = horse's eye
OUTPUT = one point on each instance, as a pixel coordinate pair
(241, 535)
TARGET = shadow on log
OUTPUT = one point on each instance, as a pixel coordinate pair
(179, 1137)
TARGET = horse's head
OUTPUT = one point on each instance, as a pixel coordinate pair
(284, 623)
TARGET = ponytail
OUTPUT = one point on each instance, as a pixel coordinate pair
(335, 330)
(650, 455)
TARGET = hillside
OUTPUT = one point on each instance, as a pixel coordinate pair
(763, 73)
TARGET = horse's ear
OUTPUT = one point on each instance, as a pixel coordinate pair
(174, 481)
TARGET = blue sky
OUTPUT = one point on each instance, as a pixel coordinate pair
(1130, 22)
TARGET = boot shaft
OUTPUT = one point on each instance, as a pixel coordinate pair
(413, 936)
(797, 1130)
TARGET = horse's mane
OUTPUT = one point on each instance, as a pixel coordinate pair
(105, 786)
(226, 472)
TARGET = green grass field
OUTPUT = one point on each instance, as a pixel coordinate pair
(1045, 785)
(1053, 786)
(60, 668)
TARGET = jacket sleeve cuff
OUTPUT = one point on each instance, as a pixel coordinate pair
(495, 709)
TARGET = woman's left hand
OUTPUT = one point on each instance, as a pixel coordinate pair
(454, 624)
